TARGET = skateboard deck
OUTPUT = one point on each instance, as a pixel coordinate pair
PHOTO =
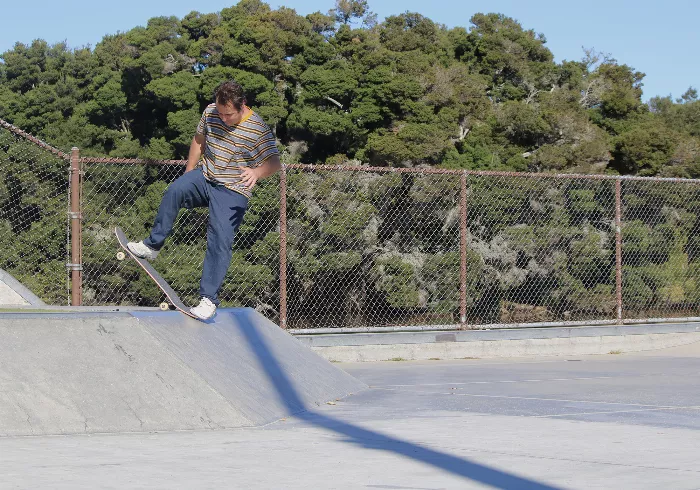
(170, 293)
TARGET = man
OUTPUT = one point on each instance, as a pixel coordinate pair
(238, 149)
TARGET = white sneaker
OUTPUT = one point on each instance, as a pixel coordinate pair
(142, 251)
(204, 310)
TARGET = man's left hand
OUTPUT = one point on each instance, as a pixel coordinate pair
(249, 176)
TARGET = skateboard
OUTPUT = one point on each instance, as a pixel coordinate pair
(170, 293)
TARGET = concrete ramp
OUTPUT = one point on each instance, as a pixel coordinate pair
(63, 373)
(13, 292)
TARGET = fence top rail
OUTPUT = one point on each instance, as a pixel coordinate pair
(34, 139)
(485, 173)
(305, 167)
(132, 161)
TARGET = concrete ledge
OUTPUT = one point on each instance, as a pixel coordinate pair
(501, 343)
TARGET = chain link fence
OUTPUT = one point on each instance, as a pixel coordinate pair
(34, 196)
(661, 248)
(542, 249)
(369, 248)
(383, 247)
(342, 246)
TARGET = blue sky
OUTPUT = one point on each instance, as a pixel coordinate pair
(661, 39)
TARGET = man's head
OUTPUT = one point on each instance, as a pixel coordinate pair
(230, 102)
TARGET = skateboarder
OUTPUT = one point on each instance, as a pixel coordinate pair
(237, 149)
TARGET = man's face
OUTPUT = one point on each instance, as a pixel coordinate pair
(229, 114)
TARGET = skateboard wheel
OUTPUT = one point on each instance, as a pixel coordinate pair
(121, 255)
(164, 306)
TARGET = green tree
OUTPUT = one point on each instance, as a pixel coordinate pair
(345, 10)
(643, 150)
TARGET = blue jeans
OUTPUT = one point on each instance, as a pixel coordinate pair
(226, 211)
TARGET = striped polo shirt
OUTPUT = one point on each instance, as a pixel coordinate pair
(248, 143)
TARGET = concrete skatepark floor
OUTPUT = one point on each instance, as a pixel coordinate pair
(615, 421)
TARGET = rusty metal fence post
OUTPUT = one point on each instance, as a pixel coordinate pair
(463, 253)
(283, 247)
(618, 248)
(75, 215)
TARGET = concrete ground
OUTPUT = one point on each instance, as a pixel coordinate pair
(626, 421)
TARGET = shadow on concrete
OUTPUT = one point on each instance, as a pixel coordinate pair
(374, 440)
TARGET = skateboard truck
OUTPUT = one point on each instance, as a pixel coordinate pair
(163, 306)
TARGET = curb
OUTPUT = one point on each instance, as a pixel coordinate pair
(525, 342)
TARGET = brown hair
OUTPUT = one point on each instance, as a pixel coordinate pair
(232, 92)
